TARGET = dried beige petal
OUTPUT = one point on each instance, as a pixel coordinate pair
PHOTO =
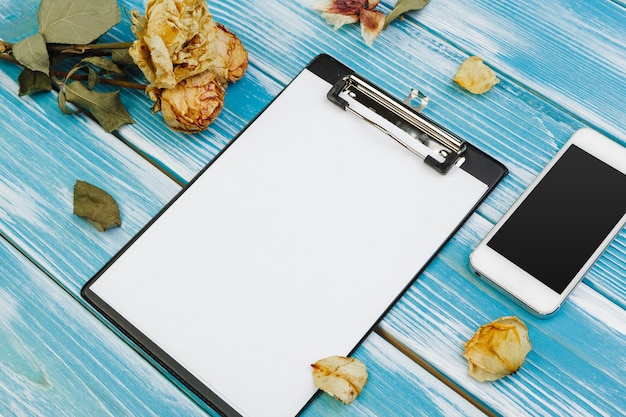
(372, 22)
(474, 76)
(497, 349)
(337, 20)
(341, 377)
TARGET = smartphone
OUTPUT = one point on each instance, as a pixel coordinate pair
(550, 237)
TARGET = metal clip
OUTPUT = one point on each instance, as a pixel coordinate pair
(443, 148)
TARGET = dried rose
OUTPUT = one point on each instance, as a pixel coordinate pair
(497, 349)
(231, 55)
(474, 76)
(192, 105)
(188, 59)
(341, 377)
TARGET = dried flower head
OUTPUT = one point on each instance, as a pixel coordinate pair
(497, 349)
(341, 377)
(188, 60)
(192, 105)
(474, 76)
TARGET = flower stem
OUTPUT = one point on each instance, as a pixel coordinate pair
(108, 81)
(8, 58)
(91, 47)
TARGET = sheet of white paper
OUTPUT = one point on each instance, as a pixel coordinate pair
(287, 250)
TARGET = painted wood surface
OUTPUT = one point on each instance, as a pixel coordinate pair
(562, 67)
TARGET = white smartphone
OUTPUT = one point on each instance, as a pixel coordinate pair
(550, 237)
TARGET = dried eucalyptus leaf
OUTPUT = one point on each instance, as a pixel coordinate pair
(403, 6)
(63, 104)
(32, 82)
(122, 58)
(104, 63)
(33, 53)
(96, 205)
(76, 22)
(107, 108)
(92, 78)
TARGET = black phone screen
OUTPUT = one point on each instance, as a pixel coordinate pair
(561, 223)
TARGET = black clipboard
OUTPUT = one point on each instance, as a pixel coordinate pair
(293, 242)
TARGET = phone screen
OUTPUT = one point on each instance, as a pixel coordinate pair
(561, 223)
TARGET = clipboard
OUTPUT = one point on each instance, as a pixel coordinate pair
(293, 242)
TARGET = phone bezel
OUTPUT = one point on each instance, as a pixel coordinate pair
(521, 286)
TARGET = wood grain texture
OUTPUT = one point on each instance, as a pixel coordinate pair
(396, 387)
(577, 360)
(43, 154)
(57, 359)
(569, 51)
(562, 67)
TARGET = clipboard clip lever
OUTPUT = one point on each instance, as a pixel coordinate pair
(438, 148)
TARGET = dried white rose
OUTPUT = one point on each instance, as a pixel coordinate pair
(474, 76)
(497, 349)
(341, 377)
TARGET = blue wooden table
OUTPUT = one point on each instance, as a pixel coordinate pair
(562, 65)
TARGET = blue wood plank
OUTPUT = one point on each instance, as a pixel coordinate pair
(569, 51)
(57, 359)
(396, 387)
(578, 359)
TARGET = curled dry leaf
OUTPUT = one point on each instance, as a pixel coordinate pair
(497, 349)
(474, 76)
(341, 377)
(96, 205)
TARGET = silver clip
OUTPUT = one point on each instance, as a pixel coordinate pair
(446, 147)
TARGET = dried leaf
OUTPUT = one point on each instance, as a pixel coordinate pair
(104, 63)
(96, 205)
(497, 349)
(32, 82)
(107, 108)
(76, 22)
(474, 76)
(403, 6)
(122, 58)
(33, 53)
(341, 377)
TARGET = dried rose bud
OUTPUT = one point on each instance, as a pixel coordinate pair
(192, 104)
(372, 22)
(474, 76)
(341, 377)
(497, 349)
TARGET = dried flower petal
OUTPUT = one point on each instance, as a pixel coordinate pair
(341, 377)
(338, 20)
(344, 7)
(192, 105)
(475, 76)
(497, 349)
(372, 22)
